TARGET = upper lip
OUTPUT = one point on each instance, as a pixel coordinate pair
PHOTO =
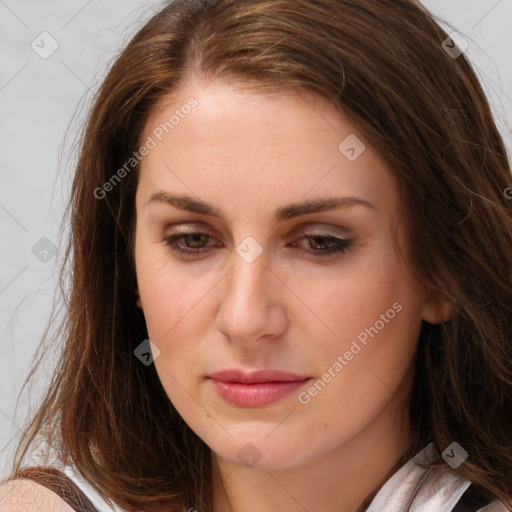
(267, 375)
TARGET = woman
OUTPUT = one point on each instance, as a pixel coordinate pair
(303, 205)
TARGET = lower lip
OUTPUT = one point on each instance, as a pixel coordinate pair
(256, 395)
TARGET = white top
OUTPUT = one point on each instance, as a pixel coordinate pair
(440, 495)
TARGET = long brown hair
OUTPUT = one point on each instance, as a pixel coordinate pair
(382, 62)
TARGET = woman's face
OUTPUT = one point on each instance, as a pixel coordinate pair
(279, 280)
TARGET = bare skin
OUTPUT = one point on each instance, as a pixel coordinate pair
(26, 496)
(248, 155)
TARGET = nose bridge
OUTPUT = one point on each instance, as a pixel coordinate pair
(249, 305)
(249, 280)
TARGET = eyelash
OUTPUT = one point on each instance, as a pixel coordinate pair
(342, 245)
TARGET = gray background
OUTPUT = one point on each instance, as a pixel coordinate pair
(43, 99)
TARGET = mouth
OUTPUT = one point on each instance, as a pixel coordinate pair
(255, 389)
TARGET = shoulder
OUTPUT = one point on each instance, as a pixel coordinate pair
(23, 495)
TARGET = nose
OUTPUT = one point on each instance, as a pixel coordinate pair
(252, 302)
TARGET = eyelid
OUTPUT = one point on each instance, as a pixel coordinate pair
(308, 227)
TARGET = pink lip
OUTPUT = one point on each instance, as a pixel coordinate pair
(255, 389)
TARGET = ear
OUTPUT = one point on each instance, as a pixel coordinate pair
(138, 301)
(437, 310)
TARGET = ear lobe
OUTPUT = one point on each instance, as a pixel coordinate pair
(437, 311)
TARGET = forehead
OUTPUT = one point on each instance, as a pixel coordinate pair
(275, 118)
(245, 145)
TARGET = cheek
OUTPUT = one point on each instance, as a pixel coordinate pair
(338, 305)
(172, 310)
(374, 314)
(370, 292)
(173, 304)
(169, 303)
(372, 319)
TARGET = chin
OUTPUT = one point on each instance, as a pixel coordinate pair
(270, 452)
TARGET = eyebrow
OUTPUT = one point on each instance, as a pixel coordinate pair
(286, 212)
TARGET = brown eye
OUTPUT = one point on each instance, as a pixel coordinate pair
(320, 245)
(194, 243)
(321, 240)
(196, 238)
